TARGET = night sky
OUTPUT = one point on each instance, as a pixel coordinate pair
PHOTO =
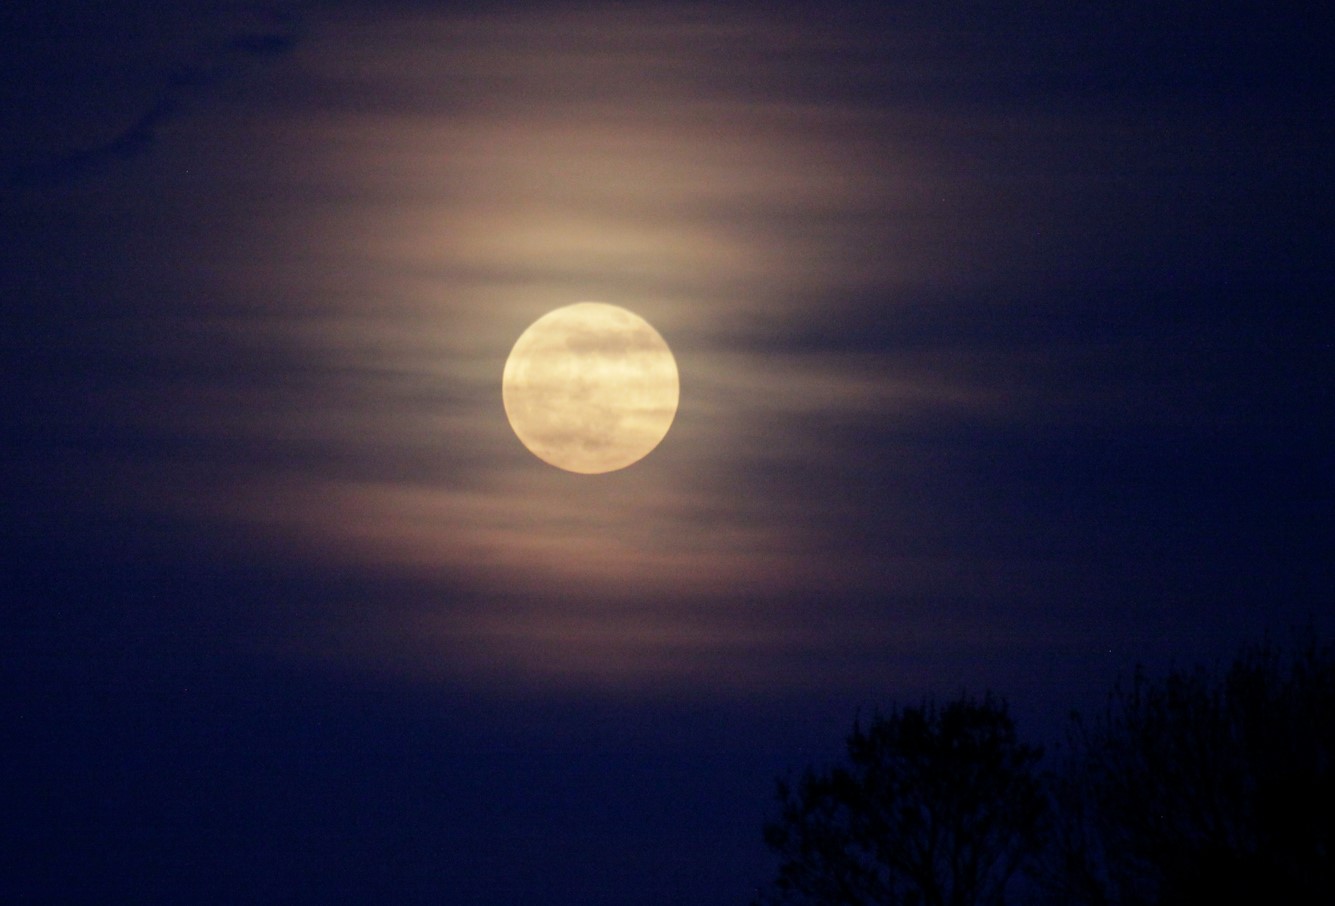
(1005, 340)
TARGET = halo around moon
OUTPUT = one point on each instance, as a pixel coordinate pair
(590, 388)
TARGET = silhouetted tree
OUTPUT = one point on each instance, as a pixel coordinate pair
(1202, 787)
(934, 806)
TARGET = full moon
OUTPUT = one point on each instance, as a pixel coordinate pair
(590, 388)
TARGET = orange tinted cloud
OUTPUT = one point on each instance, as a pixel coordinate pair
(437, 182)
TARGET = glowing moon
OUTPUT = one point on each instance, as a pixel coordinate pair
(590, 388)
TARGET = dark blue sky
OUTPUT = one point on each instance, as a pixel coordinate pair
(1004, 337)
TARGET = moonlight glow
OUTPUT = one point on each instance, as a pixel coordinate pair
(590, 388)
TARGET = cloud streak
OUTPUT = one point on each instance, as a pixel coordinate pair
(114, 74)
(876, 289)
(513, 168)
